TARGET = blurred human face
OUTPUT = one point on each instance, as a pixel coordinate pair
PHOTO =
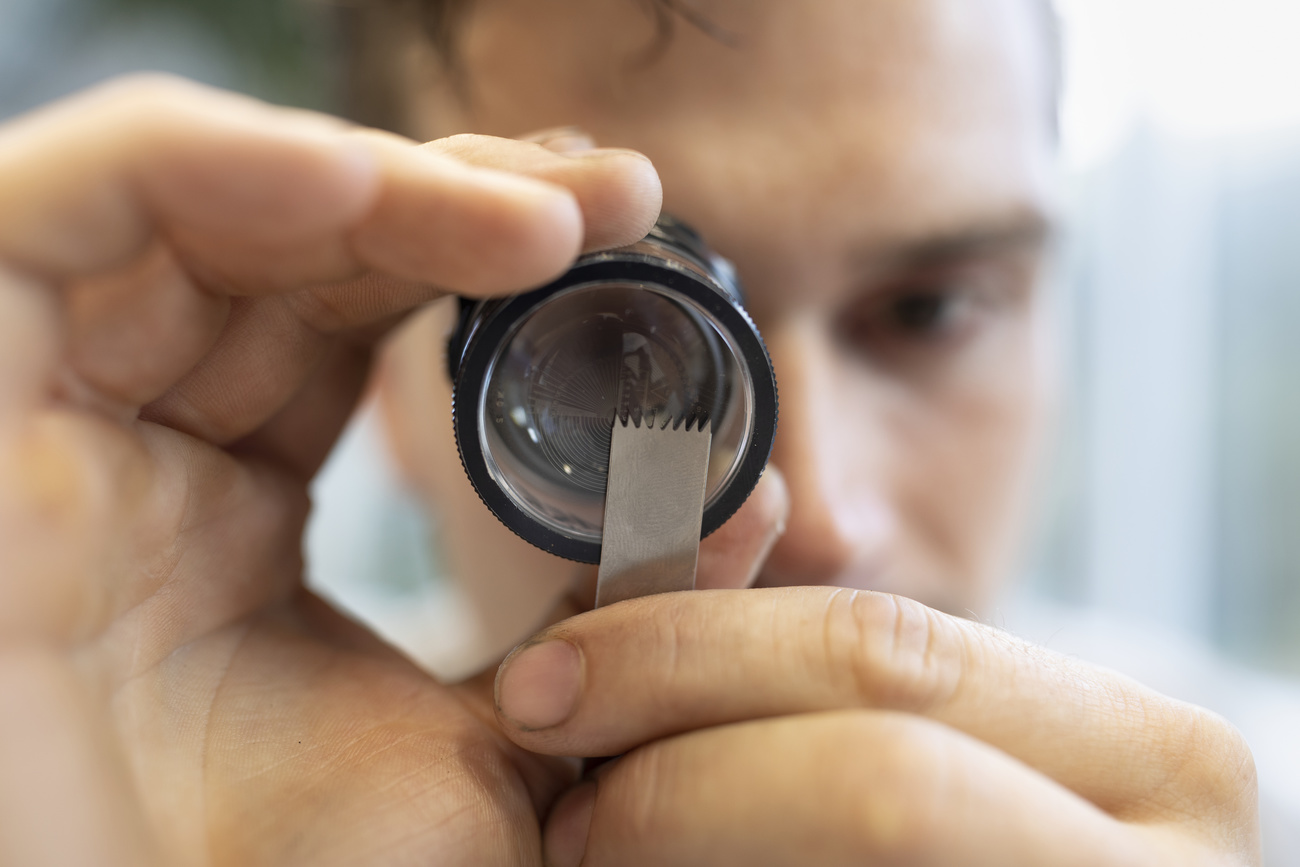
(880, 173)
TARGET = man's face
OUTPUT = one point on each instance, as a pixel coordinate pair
(880, 174)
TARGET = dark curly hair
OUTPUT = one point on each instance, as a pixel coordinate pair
(441, 19)
(370, 97)
(370, 88)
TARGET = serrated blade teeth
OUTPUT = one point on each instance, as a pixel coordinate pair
(695, 419)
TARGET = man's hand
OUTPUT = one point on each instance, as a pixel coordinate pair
(191, 285)
(817, 726)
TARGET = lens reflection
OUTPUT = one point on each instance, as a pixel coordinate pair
(584, 356)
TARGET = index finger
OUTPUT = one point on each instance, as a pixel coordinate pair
(344, 228)
(607, 681)
(238, 185)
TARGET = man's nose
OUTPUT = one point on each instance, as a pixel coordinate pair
(842, 521)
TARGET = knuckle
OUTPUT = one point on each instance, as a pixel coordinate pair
(138, 114)
(896, 789)
(152, 87)
(144, 97)
(469, 147)
(899, 653)
(485, 151)
(641, 792)
(1199, 766)
(677, 640)
(1213, 761)
(153, 109)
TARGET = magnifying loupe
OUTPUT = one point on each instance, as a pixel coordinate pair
(650, 334)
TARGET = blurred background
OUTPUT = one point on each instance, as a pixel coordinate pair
(1173, 504)
(1175, 495)
(281, 50)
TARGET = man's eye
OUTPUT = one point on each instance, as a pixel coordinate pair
(929, 321)
(932, 313)
(938, 316)
(935, 314)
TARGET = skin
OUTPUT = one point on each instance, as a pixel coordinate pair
(188, 312)
(908, 168)
(881, 174)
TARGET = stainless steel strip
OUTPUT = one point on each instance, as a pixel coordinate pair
(654, 506)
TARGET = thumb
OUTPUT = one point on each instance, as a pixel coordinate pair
(732, 557)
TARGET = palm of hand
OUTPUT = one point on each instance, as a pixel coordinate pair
(252, 723)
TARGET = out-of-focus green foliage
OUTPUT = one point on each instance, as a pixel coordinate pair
(284, 48)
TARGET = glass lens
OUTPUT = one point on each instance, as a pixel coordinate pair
(585, 355)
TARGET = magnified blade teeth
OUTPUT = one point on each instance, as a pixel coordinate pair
(654, 507)
(695, 419)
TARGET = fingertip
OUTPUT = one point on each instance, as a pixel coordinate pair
(555, 231)
(773, 496)
(538, 686)
(630, 201)
(617, 192)
(533, 234)
(733, 557)
(477, 231)
(564, 842)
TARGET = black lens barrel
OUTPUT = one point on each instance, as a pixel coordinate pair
(672, 261)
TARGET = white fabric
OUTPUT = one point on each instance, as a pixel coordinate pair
(1265, 709)
(369, 551)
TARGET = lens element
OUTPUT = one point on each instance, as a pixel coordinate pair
(584, 357)
(653, 333)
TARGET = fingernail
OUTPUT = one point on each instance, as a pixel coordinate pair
(538, 685)
(566, 831)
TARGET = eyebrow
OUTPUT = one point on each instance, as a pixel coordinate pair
(1026, 232)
